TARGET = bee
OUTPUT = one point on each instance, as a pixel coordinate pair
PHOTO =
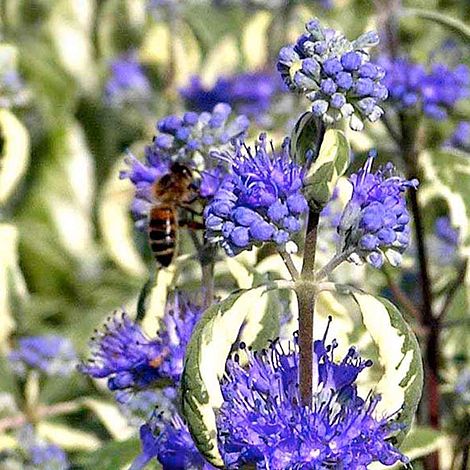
(170, 192)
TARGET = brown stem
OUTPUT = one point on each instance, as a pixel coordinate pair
(465, 458)
(401, 296)
(409, 131)
(207, 260)
(287, 258)
(453, 289)
(306, 300)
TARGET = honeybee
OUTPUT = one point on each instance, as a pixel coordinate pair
(170, 192)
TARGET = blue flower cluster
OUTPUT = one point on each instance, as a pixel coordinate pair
(434, 91)
(127, 82)
(262, 422)
(460, 139)
(49, 354)
(444, 245)
(259, 201)
(335, 74)
(37, 454)
(375, 221)
(169, 441)
(189, 140)
(249, 93)
(48, 457)
(131, 360)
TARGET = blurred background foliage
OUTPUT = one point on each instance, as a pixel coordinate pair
(69, 254)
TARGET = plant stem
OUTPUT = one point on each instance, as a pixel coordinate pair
(306, 300)
(207, 260)
(332, 265)
(465, 458)
(286, 257)
(429, 321)
(453, 289)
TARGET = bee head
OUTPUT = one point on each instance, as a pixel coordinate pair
(181, 170)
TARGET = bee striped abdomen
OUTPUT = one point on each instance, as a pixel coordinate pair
(162, 234)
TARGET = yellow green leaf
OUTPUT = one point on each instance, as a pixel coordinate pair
(14, 156)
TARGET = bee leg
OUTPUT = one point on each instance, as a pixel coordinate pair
(191, 224)
(191, 210)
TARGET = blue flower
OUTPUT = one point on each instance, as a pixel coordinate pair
(169, 441)
(139, 405)
(375, 221)
(48, 457)
(444, 246)
(335, 74)
(49, 354)
(259, 201)
(249, 93)
(262, 423)
(127, 82)
(130, 360)
(460, 139)
(462, 386)
(434, 91)
(187, 139)
(38, 454)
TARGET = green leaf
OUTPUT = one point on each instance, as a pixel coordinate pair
(255, 40)
(116, 226)
(14, 153)
(111, 456)
(303, 137)
(399, 355)
(401, 383)
(12, 283)
(447, 176)
(70, 27)
(331, 164)
(422, 441)
(243, 316)
(109, 414)
(68, 437)
(455, 25)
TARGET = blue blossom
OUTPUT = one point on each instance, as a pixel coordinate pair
(446, 238)
(335, 74)
(460, 139)
(462, 386)
(49, 354)
(249, 93)
(127, 82)
(38, 454)
(187, 139)
(169, 441)
(139, 405)
(48, 457)
(262, 422)
(434, 91)
(259, 201)
(375, 221)
(124, 355)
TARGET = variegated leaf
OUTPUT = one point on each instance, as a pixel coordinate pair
(14, 154)
(331, 163)
(246, 316)
(255, 40)
(399, 355)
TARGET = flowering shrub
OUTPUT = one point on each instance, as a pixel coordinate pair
(304, 192)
